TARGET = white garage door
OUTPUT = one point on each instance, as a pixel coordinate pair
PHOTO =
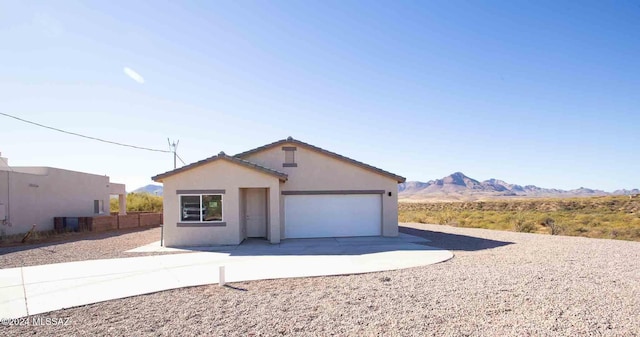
(317, 216)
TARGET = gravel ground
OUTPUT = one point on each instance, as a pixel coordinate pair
(498, 284)
(91, 246)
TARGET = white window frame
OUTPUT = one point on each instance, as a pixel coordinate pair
(201, 220)
(100, 206)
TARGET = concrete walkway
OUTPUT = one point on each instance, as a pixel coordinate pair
(39, 289)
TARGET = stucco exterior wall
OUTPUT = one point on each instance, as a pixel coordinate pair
(38, 194)
(217, 175)
(317, 171)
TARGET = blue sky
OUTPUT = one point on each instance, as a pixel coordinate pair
(544, 93)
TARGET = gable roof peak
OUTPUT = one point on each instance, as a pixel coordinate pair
(222, 154)
(325, 152)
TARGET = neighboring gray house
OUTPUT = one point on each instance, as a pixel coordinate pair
(35, 195)
(286, 189)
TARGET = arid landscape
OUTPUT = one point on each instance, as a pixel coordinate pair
(499, 283)
(295, 168)
(461, 201)
(609, 217)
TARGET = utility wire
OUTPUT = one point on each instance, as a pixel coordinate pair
(83, 136)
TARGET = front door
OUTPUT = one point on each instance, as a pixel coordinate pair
(256, 213)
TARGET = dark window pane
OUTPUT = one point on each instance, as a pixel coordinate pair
(212, 206)
(190, 208)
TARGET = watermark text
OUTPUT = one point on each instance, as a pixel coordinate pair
(35, 321)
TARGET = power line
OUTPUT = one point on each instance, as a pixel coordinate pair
(84, 136)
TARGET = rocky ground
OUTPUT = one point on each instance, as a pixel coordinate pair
(84, 246)
(498, 284)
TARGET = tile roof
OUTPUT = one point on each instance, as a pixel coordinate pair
(290, 140)
(222, 156)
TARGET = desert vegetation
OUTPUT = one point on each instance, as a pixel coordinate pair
(596, 217)
(139, 202)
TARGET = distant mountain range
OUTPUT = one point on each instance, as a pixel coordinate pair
(458, 186)
(151, 189)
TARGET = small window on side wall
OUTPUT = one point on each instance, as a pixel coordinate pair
(98, 206)
(201, 208)
(289, 156)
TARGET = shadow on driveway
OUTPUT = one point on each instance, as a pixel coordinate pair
(410, 240)
(454, 241)
(321, 246)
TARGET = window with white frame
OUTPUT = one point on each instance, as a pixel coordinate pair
(201, 207)
(98, 206)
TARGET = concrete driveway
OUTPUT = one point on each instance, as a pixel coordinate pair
(38, 289)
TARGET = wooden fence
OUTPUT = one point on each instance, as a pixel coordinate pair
(107, 222)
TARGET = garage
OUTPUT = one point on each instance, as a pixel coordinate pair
(331, 215)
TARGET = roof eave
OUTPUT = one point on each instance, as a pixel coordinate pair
(281, 176)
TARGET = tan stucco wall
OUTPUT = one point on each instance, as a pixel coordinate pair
(217, 175)
(38, 194)
(116, 189)
(316, 171)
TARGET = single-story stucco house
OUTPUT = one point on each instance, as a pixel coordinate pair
(35, 195)
(286, 189)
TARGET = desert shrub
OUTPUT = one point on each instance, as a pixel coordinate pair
(520, 224)
(446, 218)
(423, 220)
(581, 230)
(139, 202)
(555, 228)
(114, 205)
(586, 219)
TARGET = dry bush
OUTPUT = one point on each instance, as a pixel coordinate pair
(447, 218)
(520, 224)
(556, 229)
(139, 202)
